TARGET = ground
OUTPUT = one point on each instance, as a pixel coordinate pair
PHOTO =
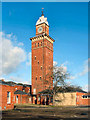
(43, 112)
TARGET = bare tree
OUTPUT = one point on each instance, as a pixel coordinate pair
(59, 75)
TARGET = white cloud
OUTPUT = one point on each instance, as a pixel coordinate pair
(12, 55)
(26, 82)
(9, 35)
(18, 79)
(28, 63)
(20, 44)
(86, 88)
(62, 68)
(85, 70)
(72, 77)
(54, 63)
(65, 63)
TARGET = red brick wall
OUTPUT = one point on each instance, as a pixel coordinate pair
(21, 98)
(82, 101)
(45, 58)
(44, 55)
(5, 89)
(0, 97)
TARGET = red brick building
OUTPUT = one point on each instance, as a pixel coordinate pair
(42, 68)
(42, 57)
(83, 99)
(12, 93)
(6, 96)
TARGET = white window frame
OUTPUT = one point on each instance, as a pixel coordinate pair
(34, 91)
(30, 99)
(9, 99)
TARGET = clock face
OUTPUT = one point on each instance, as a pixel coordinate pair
(40, 29)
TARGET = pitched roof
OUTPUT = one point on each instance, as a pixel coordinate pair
(42, 19)
(11, 83)
(7, 83)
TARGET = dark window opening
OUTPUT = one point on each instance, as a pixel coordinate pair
(38, 44)
(35, 44)
(85, 96)
(41, 67)
(88, 96)
(36, 78)
(38, 62)
(40, 78)
(41, 43)
(35, 57)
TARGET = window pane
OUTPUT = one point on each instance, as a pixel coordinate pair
(8, 97)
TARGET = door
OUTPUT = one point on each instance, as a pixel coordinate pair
(16, 99)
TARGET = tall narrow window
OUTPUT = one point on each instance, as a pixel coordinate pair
(41, 67)
(41, 43)
(36, 78)
(17, 99)
(8, 97)
(38, 44)
(30, 99)
(40, 78)
(34, 91)
(35, 57)
(35, 44)
(38, 62)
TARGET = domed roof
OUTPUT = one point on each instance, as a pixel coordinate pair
(42, 19)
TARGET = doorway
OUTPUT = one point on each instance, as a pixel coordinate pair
(16, 99)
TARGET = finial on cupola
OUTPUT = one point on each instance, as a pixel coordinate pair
(42, 12)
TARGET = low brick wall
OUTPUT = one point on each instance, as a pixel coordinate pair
(65, 99)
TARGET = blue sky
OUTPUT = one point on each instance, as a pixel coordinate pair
(45, 0)
(68, 26)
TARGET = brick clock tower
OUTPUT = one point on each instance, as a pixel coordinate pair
(42, 57)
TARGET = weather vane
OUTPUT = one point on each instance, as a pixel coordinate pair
(42, 12)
